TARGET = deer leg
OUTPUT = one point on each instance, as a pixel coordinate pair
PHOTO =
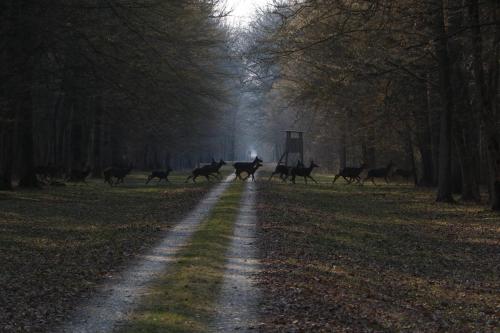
(314, 180)
(373, 181)
(271, 177)
(188, 178)
(335, 179)
(305, 179)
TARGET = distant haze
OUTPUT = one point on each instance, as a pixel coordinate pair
(242, 11)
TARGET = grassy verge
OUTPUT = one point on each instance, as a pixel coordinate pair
(376, 258)
(58, 243)
(183, 299)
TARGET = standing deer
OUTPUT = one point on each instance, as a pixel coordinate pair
(380, 173)
(304, 172)
(350, 174)
(115, 172)
(160, 174)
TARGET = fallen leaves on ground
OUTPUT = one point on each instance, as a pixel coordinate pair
(59, 243)
(340, 259)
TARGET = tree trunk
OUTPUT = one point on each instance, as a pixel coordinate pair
(25, 125)
(488, 94)
(445, 138)
(7, 158)
(22, 54)
(96, 153)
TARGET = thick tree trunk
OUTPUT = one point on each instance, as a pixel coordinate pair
(488, 94)
(445, 138)
(22, 53)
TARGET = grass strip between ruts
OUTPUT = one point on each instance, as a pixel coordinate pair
(183, 300)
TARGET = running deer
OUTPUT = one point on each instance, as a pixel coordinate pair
(380, 173)
(247, 167)
(304, 172)
(115, 172)
(242, 165)
(77, 175)
(47, 173)
(160, 174)
(350, 174)
(206, 171)
(284, 171)
(405, 174)
(250, 171)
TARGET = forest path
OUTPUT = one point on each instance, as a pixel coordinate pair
(118, 298)
(237, 304)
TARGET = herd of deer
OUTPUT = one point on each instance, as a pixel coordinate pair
(116, 175)
(351, 174)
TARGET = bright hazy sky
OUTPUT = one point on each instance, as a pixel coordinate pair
(243, 10)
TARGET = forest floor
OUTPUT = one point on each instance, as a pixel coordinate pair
(349, 258)
(58, 244)
(340, 257)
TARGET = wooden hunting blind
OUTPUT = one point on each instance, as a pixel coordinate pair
(294, 147)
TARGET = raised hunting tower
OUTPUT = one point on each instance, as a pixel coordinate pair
(294, 147)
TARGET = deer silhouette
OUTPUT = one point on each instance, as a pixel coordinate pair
(304, 172)
(240, 167)
(206, 171)
(250, 171)
(405, 174)
(160, 174)
(47, 173)
(350, 174)
(380, 173)
(283, 171)
(78, 176)
(116, 172)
